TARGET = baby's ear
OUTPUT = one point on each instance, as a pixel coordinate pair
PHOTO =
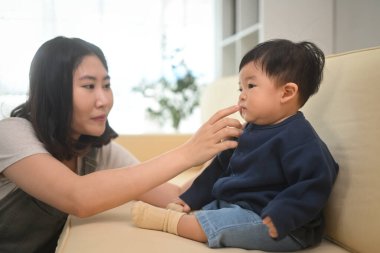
(290, 91)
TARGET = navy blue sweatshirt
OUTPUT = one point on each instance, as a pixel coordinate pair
(284, 171)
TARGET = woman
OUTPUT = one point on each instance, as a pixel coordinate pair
(61, 135)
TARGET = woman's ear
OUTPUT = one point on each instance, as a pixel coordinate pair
(290, 91)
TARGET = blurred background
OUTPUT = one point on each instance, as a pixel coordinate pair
(161, 53)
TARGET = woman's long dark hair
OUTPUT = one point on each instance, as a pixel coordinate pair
(50, 104)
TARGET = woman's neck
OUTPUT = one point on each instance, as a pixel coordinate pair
(71, 164)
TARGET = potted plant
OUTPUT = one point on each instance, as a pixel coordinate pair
(174, 99)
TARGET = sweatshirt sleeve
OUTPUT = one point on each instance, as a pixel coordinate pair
(200, 192)
(310, 171)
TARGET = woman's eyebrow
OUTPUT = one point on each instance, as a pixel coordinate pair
(93, 78)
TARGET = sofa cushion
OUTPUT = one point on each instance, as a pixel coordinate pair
(346, 114)
(112, 231)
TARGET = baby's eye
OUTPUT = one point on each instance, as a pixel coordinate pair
(251, 85)
(240, 89)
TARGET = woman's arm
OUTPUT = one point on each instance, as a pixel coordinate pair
(161, 195)
(168, 192)
(47, 179)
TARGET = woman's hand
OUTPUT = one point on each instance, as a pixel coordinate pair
(214, 136)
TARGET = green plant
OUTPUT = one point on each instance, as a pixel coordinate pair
(173, 100)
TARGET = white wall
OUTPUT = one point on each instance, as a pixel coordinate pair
(298, 20)
(356, 24)
(334, 25)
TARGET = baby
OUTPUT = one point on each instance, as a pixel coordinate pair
(268, 193)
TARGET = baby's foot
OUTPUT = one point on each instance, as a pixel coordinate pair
(156, 218)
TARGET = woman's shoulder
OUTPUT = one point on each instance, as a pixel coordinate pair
(19, 131)
(17, 140)
(14, 127)
(14, 122)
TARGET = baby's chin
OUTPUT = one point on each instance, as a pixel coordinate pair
(243, 114)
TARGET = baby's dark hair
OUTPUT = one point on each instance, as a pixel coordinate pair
(285, 61)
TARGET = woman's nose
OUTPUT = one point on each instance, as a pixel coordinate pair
(103, 98)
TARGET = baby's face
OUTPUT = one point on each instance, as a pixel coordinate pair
(259, 96)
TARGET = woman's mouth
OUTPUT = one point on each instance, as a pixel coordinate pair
(101, 118)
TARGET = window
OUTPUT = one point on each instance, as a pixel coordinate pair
(131, 34)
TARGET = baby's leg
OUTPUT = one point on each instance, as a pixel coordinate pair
(156, 218)
(190, 228)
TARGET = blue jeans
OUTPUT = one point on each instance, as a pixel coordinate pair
(229, 225)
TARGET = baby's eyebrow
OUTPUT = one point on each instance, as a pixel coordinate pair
(250, 78)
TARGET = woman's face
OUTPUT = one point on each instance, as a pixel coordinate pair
(92, 97)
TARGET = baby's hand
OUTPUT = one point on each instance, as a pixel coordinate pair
(179, 205)
(271, 227)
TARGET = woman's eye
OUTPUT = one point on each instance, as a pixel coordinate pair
(107, 86)
(88, 86)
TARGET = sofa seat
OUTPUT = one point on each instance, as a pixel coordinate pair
(112, 231)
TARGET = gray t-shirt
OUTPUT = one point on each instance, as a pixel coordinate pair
(18, 140)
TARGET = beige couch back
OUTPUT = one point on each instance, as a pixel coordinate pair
(147, 146)
(346, 114)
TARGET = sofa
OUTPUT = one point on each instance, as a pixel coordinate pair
(345, 113)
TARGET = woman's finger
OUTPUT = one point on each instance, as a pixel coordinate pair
(226, 138)
(206, 142)
(223, 113)
(226, 123)
(228, 133)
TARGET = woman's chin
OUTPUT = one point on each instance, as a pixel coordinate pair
(96, 133)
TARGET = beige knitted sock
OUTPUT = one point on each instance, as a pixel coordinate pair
(156, 218)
